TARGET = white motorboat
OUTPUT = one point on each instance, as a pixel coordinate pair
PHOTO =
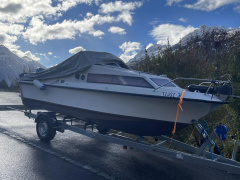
(100, 88)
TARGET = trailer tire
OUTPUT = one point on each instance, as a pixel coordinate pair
(102, 129)
(44, 128)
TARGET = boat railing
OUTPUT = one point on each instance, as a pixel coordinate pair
(211, 81)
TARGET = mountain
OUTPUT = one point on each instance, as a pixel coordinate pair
(206, 36)
(152, 50)
(11, 66)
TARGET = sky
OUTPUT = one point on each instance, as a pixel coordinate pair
(50, 31)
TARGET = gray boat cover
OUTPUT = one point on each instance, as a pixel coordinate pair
(74, 64)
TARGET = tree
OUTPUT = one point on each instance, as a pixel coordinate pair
(211, 56)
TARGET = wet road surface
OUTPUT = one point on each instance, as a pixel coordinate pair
(20, 161)
(73, 156)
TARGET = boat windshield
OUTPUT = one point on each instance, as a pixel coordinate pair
(161, 82)
(114, 64)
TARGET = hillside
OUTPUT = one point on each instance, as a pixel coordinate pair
(11, 66)
(206, 36)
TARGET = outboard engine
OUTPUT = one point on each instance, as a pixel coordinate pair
(224, 89)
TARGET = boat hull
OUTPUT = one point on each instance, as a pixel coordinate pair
(134, 125)
(137, 114)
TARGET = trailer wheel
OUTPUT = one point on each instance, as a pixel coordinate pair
(102, 129)
(44, 128)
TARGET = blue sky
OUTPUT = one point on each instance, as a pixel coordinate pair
(50, 31)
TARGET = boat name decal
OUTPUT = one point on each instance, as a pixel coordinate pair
(171, 94)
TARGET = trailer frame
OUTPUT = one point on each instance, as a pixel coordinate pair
(190, 154)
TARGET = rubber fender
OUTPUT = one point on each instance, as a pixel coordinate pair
(39, 84)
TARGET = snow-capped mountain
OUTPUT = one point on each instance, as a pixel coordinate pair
(11, 66)
(198, 35)
(201, 32)
(152, 50)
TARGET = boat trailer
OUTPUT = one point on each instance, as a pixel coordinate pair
(50, 122)
(47, 123)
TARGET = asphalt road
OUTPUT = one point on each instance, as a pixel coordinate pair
(73, 156)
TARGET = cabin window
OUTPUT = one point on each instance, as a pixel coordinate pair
(118, 80)
(161, 82)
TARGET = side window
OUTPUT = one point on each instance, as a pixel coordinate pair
(118, 80)
(161, 82)
(99, 78)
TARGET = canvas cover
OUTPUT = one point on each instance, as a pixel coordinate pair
(74, 64)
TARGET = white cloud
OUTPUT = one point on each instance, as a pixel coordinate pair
(20, 11)
(182, 19)
(9, 34)
(13, 29)
(129, 50)
(237, 8)
(149, 45)
(25, 55)
(125, 9)
(35, 21)
(207, 5)
(174, 32)
(89, 14)
(44, 55)
(170, 2)
(11, 8)
(210, 5)
(119, 6)
(50, 53)
(117, 30)
(8, 40)
(39, 31)
(76, 50)
(29, 55)
(128, 47)
(125, 17)
(97, 33)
